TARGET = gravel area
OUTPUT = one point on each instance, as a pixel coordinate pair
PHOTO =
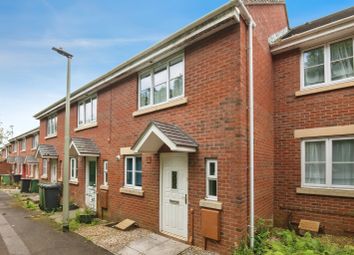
(109, 238)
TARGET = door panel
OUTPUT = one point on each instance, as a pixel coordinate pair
(174, 194)
(53, 170)
(91, 176)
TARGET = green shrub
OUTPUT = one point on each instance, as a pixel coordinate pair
(285, 242)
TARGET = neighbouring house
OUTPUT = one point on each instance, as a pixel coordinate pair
(5, 168)
(314, 123)
(165, 138)
(21, 154)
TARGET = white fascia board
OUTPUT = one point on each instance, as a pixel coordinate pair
(311, 35)
(170, 45)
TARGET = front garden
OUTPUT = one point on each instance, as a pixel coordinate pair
(270, 241)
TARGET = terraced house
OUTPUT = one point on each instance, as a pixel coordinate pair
(233, 117)
(20, 154)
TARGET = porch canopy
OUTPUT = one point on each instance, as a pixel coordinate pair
(19, 160)
(84, 147)
(31, 160)
(157, 134)
(46, 151)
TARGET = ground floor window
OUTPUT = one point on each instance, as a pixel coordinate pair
(328, 162)
(133, 171)
(211, 179)
(105, 172)
(73, 169)
(45, 168)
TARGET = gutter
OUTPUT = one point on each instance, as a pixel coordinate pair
(251, 25)
(313, 34)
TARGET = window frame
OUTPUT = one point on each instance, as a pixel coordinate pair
(23, 144)
(327, 65)
(105, 172)
(35, 141)
(83, 102)
(150, 71)
(75, 176)
(133, 185)
(52, 117)
(15, 147)
(45, 166)
(329, 162)
(211, 177)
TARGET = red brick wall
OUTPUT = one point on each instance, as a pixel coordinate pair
(5, 168)
(317, 110)
(269, 19)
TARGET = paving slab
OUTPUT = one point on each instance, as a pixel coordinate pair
(145, 243)
(128, 251)
(171, 247)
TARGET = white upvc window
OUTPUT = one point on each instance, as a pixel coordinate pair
(162, 83)
(74, 171)
(211, 179)
(133, 171)
(327, 64)
(105, 173)
(15, 146)
(52, 125)
(328, 162)
(45, 168)
(35, 141)
(87, 111)
(23, 144)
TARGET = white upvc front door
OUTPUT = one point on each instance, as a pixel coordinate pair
(91, 181)
(174, 194)
(53, 170)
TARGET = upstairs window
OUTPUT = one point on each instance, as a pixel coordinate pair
(15, 147)
(87, 111)
(23, 144)
(52, 126)
(328, 162)
(328, 64)
(162, 83)
(35, 141)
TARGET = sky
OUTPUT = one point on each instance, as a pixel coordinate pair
(100, 34)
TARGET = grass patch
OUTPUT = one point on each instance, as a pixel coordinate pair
(30, 205)
(285, 242)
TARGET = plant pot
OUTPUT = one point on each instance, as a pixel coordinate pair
(86, 218)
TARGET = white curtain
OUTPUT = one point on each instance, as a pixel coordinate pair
(343, 162)
(342, 60)
(315, 162)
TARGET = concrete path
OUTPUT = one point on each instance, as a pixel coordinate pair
(154, 244)
(21, 234)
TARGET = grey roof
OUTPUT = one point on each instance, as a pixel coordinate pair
(47, 150)
(24, 135)
(172, 132)
(175, 134)
(320, 22)
(10, 159)
(251, 2)
(31, 160)
(85, 146)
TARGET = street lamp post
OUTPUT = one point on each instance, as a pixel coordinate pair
(66, 141)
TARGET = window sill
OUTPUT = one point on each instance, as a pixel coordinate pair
(331, 192)
(33, 149)
(50, 137)
(325, 88)
(87, 126)
(132, 191)
(74, 182)
(210, 204)
(44, 177)
(172, 103)
(104, 187)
